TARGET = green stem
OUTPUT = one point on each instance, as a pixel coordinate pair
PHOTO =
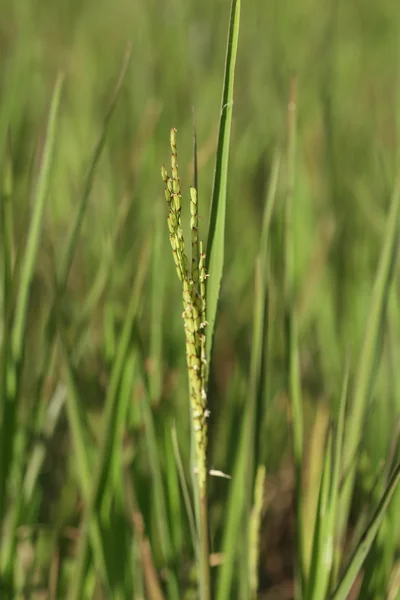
(205, 585)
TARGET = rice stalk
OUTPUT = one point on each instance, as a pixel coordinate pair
(194, 309)
(194, 317)
(254, 529)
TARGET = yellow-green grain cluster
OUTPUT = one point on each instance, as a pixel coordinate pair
(194, 304)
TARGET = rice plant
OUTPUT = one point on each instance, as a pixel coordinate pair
(232, 432)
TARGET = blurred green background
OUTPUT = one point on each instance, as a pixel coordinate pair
(346, 57)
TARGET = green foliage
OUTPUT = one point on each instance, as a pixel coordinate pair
(99, 497)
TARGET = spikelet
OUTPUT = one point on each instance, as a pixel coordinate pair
(194, 304)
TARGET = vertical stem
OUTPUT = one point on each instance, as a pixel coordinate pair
(292, 339)
(193, 281)
(205, 589)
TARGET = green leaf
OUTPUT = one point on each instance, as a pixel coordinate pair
(361, 551)
(293, 352)
(370, 354)
(100, 486)
(14, 339)
(32, 245)
(216, 231)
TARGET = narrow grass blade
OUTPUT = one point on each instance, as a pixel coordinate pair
(337, 466)
(323, 539)
(70, 245)
(32, 245)
(80, 440)
(250, 448)
(38, 454)
(185, 489)
(314, 466)
(260, 337)
(265, 266)
(157, 479)
(216, 231)
(394, 584)
(269, 209)
(28, 477)
(172, 487)
(391, 548)
(195, 158)
(98, 287)
(322, 557)
(241, 509)
(77, 423)
(294, 383)
(128, 380)
(370, 353)
(99, 488)
(360, 553)
(382, 557)
(233, 519)
(13, 343)
(254, 533)
(110, 342)
(253, 410)
(7, 233)
(157, 298)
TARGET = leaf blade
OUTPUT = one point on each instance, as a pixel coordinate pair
(216, 231)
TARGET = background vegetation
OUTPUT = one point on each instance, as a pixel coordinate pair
(102, 340)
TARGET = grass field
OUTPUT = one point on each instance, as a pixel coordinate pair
(115, 482)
